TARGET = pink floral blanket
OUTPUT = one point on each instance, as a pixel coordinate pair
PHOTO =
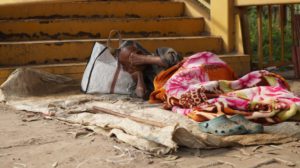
(261, 96)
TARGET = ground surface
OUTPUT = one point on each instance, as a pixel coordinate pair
(28, 140)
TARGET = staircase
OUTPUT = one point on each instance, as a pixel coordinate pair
(58, 36)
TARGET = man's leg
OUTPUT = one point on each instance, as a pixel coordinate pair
(140, 87)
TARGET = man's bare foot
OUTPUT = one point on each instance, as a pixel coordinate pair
(140, 92)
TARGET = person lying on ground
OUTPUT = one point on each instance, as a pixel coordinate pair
(144, 66)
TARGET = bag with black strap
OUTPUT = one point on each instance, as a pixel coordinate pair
(104, 73)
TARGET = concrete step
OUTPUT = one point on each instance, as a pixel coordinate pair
(71, 9)
(57, 29)
(72, 70)
(48, 52)
(239, 63)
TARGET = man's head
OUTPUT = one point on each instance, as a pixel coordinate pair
(133, 46)
(126, 49)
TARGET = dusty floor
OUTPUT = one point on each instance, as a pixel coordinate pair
(28, 140)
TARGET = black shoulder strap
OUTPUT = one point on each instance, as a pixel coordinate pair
(90, 74)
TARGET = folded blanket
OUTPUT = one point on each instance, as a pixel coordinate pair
(203, 88)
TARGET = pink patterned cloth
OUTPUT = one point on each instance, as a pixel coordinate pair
(192, 73)
(261, 96)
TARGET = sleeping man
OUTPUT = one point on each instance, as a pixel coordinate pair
(144, 66)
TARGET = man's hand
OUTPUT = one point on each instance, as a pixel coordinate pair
(137, 59)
